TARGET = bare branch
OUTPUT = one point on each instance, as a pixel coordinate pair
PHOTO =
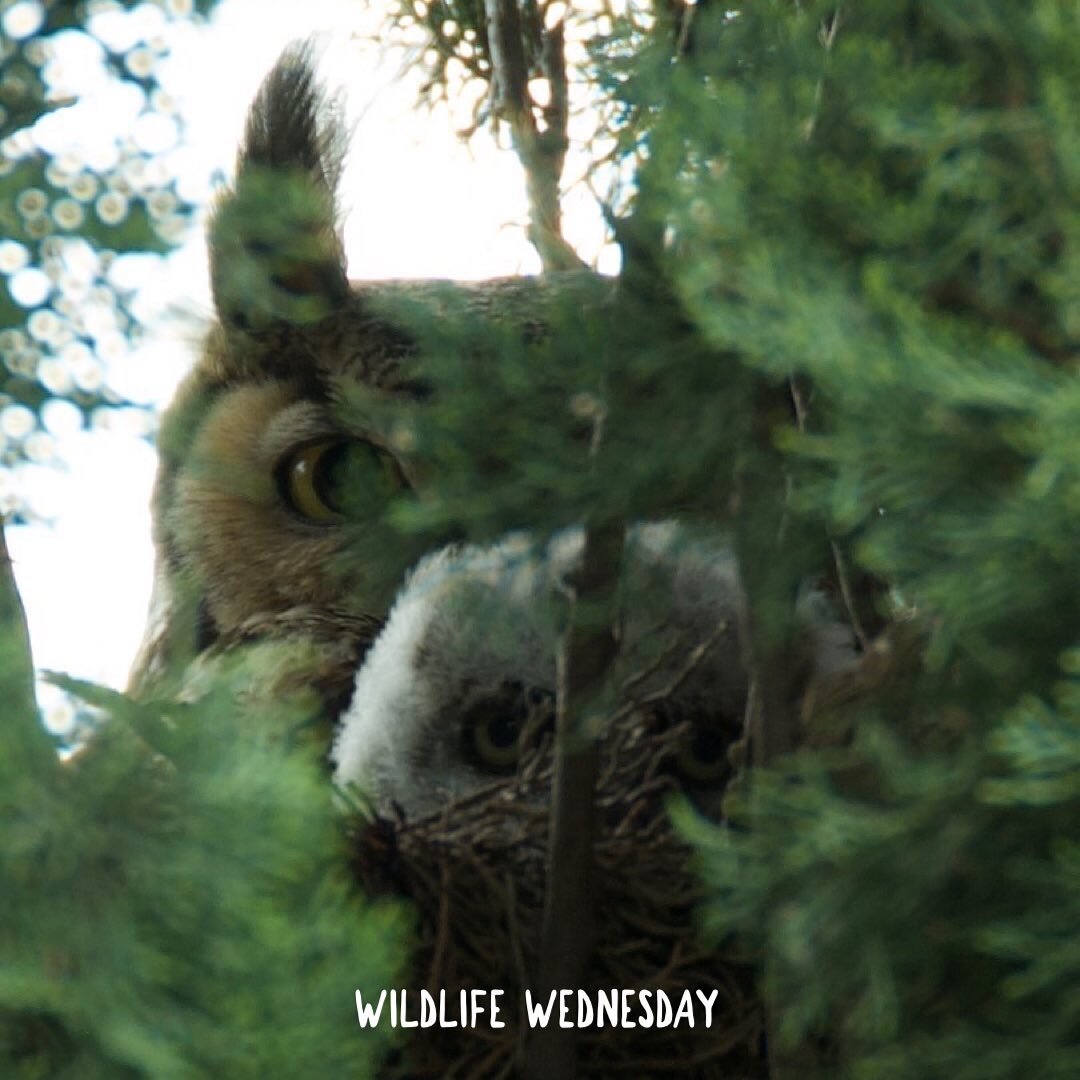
(511, 74)
(542, 154)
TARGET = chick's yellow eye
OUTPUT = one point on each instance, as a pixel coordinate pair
(330, 480)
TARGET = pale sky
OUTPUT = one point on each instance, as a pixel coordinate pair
(419, 204)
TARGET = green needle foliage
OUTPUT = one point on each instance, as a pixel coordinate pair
(175, 902)
(878, 203)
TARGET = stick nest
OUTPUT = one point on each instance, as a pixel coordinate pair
(476, 872)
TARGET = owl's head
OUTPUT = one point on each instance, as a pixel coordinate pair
(458, 691)
(281, 451)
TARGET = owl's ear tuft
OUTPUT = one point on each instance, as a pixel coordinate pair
(275, 246)
(292, 125)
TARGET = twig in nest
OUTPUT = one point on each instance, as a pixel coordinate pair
(443, 923)
(658, 697)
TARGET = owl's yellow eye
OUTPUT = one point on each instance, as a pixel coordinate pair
(330, 480)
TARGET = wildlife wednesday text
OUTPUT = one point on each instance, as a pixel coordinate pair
(567, 1008)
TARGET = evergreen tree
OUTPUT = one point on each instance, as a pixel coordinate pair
(173, 895)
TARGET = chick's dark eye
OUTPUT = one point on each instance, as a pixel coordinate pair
(329, 480)
(491, 731)
(496, 727)
(703, 760)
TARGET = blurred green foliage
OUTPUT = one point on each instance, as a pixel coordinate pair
(175, 898)
(879, 204)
